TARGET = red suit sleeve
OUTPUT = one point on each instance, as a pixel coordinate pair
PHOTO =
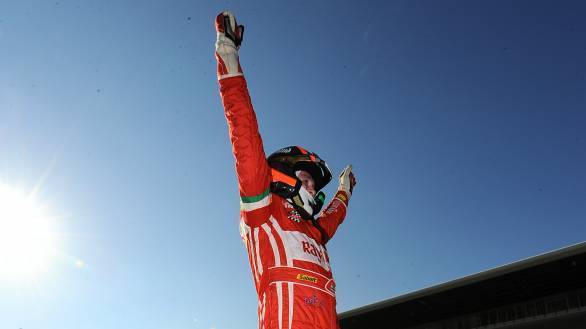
(332, 216)
(251, 165)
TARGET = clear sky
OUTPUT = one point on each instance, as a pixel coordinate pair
(465, 122)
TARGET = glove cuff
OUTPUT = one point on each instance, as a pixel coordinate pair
(346, 189)
(228, 65)
(343, 196)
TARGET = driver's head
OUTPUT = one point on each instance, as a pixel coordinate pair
(298, 176)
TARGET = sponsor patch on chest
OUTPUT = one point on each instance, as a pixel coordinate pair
(292, 214)
(309, 248)
(301, 246)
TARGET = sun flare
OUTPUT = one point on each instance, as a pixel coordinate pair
(26, 236)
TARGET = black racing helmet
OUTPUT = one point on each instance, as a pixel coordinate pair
(290, 159)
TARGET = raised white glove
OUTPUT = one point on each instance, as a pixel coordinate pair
(347, 180)
(229, 38)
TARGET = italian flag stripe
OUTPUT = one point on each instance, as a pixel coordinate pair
(255, 202)
(256, 198)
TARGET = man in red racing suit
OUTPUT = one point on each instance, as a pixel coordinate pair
(288, 257)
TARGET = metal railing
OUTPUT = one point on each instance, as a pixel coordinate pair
(528, 311)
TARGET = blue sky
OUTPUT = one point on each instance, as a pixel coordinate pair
(465, 123)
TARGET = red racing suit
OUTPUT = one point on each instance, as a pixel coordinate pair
(288, 257)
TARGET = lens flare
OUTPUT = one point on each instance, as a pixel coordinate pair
(27, 240)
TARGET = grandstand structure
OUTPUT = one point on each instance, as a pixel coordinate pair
(547, 291)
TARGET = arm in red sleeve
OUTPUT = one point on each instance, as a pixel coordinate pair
(333, 215)
(251, 165)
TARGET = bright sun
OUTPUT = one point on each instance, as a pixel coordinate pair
(26, 238)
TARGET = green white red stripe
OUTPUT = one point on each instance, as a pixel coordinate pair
(255, 202)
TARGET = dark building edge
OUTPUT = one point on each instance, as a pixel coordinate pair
(556, 255)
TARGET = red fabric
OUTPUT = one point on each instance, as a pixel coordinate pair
(220, 22)
(251, 165)
(274, 234)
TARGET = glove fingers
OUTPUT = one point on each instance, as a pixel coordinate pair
(232, 30)
(220, 23)
(240, 33)
(228, 26)
(346, 170)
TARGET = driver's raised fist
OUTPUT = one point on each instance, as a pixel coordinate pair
(229, 39)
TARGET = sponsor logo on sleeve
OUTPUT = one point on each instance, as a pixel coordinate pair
(333, 207)
(342, 197)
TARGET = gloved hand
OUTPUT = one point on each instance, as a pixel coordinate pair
(229, 38)
(347, 180)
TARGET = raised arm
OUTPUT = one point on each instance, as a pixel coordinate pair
(335, 212)
(251, 164)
